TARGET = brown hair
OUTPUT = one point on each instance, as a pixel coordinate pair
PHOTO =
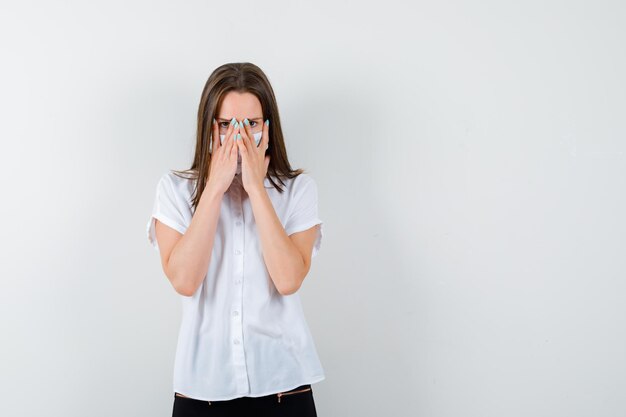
(240, 77)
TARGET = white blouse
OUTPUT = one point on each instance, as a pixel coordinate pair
(239, 336)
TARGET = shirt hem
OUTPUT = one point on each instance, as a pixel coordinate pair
(311, 380)
(302, 226)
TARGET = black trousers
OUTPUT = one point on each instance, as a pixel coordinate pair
(295, 402)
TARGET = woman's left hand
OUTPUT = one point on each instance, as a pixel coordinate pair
(254, 162)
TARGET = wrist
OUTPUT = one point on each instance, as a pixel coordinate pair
(211, 192)
(257, 190)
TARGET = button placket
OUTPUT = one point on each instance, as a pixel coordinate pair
(241, 371)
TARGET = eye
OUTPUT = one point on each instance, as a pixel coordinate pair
(253, 123)
(224, 124)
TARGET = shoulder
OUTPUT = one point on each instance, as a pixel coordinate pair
(291, 187)
(177, 185)
(177, 178)
(305, 182)
(300, 182)
(301, 187)
(304, 178)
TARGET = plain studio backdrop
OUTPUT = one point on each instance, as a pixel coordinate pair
(470, 159)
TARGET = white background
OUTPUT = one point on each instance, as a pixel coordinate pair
(471, 170)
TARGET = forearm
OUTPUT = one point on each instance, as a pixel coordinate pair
(282, 258)
(189, 260)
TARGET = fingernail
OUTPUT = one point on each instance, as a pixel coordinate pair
(236, 125)
(267, 122)
(246, 122)
(238, 136)
(214, 120)
(233, 121)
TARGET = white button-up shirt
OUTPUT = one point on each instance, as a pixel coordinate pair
(239, 336)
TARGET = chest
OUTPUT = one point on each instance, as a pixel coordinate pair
(236, 231)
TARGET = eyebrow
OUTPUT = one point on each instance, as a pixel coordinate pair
(228, 120)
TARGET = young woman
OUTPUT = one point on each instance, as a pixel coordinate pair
(236, 233)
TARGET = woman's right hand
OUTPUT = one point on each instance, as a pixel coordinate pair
(223, 158)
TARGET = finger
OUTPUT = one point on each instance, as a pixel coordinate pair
(230, 135)
(253, 145)
(233, 150)
(267, 163)
(246, 131)
(243, 150)
(248, 135)
(215, 140)
(245, 134)
(265, 139)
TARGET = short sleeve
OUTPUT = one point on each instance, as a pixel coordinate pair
(303, 213)
(169, 207)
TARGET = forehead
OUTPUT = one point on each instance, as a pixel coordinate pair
(238, 105)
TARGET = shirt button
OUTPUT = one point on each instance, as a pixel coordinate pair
(235, 313)
(237, 251)
(236, 341)
(237, 223)
(238, 281)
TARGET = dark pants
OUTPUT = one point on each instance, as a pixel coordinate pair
(285, 404)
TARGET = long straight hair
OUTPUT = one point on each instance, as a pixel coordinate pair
(240, 77)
